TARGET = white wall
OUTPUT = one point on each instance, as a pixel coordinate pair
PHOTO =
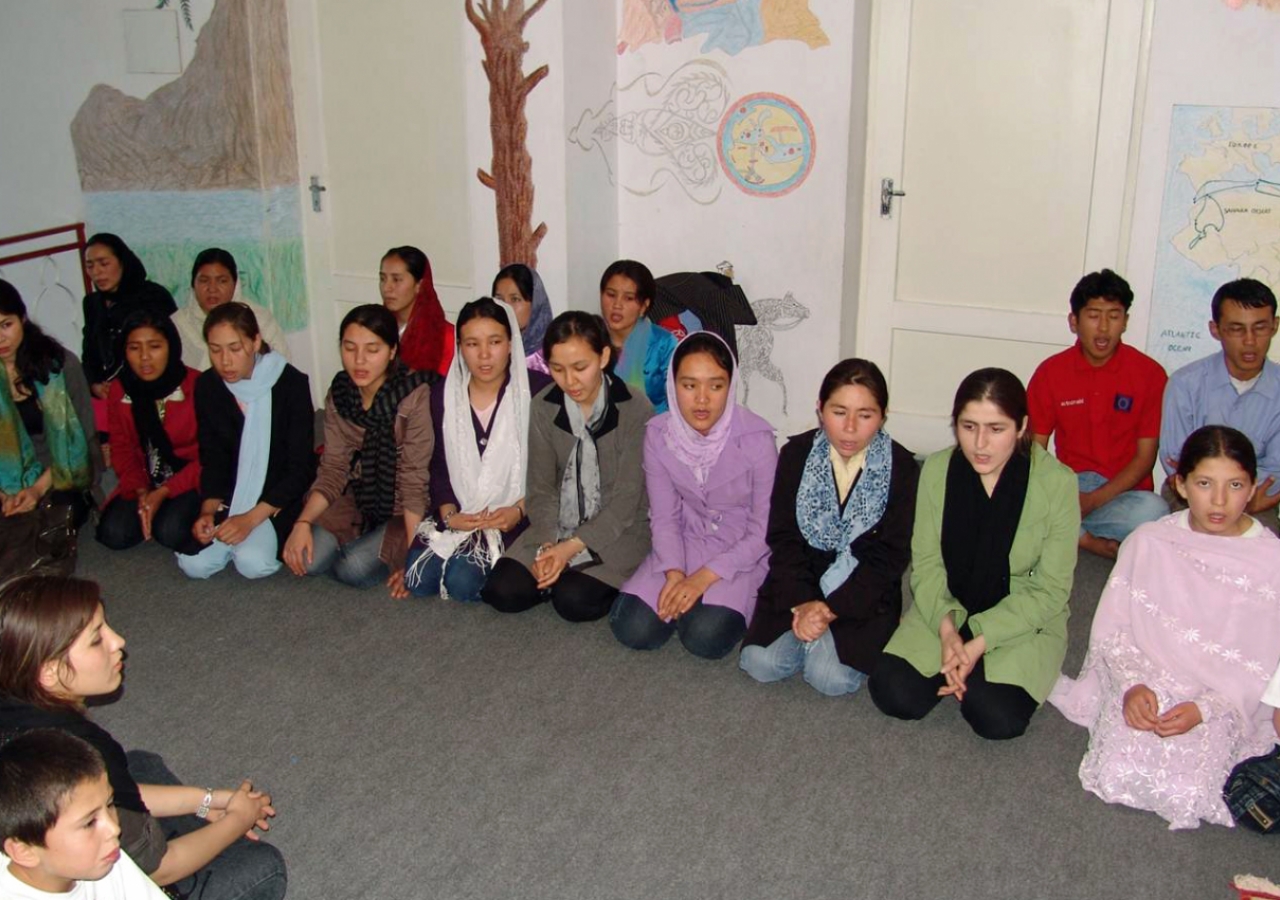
(1202, 53)
(51, 53)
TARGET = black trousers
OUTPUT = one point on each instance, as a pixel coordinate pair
(576, 596)
(996, 712)
(120, 529)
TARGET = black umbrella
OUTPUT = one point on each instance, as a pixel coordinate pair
(717, 302)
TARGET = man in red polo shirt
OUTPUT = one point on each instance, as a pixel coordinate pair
(1101, 398)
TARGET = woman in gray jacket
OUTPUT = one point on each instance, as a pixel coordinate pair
(585, 496)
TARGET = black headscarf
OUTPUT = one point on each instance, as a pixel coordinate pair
(163, 463)
(375, 488)
(132, 272)
(978, 530)
(105, 312)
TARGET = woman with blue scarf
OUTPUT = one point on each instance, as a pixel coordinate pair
(627, 289)
(839, 540)
(257, 440)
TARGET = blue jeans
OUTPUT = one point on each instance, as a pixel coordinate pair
(354, 563)
(1114, 520)
(254, 557)
(789, 655)
(460, 575)
(246, 870)
(705, 630)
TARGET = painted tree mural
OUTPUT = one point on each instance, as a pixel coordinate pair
(510, 176)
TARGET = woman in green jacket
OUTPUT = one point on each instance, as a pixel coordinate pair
(993, 558)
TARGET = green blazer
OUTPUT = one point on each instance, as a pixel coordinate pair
(1026, 632)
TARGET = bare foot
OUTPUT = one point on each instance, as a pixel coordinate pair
(1100, 546)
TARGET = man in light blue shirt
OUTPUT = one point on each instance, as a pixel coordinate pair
(1238, 387)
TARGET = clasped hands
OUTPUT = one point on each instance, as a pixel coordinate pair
(958, 658)
(504, 518)
(1142, 712)
(681, 591)
(252, 808)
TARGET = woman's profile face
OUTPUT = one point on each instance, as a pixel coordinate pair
(146, 351)
(508, 292)
(11, 333)
(850, 419)
(365, 357)
(578, 369)
(702, 391)
(486, 350)
(398, 287)
(93, 666)
(1218, 491)
(621, 306)
(987, 436)
(231, 353)
(103, 267)
(214, 286)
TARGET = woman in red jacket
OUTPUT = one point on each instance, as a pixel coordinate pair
(152, 413)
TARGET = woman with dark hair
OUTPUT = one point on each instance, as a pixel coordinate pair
(584, 491)
(409, 292)
(481, 418)
(520, 287)
(839, 540)
(215, 280)
(120, 286)
(370, 492)
(152, 409)
(627, 289)
(48, 443)
(993, 556)
(1172, 689)
(708, 466)
(56, 652)
(257, 449)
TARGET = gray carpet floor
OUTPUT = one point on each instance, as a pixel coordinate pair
(424, 749)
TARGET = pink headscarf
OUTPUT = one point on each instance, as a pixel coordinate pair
(697, 451)
(1202, 607)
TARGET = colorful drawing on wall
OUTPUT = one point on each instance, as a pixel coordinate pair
(1272, 5)
(209, 159)
(500, 24)
(729, 25)
(674, 130)
(184, 5)
(755, 342)
(766, 145)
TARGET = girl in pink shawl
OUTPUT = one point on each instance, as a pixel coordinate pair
(1184, 640)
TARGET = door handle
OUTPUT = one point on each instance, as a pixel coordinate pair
(316, 188)
(887, 193)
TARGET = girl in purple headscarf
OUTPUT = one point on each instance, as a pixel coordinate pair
(709, 467)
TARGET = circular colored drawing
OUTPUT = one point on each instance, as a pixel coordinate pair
(766, 145)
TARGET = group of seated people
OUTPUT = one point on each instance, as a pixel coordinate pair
(602, 465)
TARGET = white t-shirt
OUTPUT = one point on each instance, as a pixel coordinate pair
(125, 881)
(1271, 696)
(1255, 529)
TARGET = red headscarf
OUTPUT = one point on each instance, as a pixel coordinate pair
(427, 342)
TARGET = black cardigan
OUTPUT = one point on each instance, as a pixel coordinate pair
(869, 604)
(102, 324)
(291, 466)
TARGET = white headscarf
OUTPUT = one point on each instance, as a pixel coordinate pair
(498, 477)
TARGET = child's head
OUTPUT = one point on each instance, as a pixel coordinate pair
(55, 645)
(57, 816)
(1217, 471)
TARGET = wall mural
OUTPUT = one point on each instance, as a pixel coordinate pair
(685, 131)
(755, 342)
(209, 159)
(500, 24)
(730, 26)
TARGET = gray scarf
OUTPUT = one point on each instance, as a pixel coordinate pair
(580, 484)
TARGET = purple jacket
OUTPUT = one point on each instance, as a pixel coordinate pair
(720, 525)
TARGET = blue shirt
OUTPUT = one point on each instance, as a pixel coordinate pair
(1201, 393)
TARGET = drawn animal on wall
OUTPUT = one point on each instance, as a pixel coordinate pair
(755, 342)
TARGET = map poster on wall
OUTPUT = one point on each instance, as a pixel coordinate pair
(1220, 221)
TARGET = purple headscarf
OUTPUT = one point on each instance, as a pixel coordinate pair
(697, 451)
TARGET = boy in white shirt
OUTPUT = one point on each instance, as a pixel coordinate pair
(58, 825)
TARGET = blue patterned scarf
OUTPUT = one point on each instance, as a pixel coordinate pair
(818, 504)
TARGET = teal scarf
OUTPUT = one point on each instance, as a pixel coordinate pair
(68, 447)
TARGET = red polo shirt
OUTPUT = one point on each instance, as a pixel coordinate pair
(1097, 412)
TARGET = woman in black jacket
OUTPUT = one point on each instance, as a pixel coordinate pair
(839, 539)
(257, 440)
